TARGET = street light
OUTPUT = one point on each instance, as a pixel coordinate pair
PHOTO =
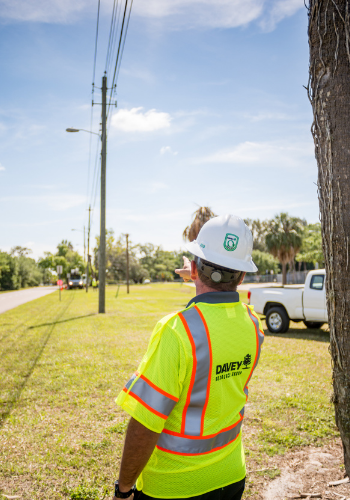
(82, 130)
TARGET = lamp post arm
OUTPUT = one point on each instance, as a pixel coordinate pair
(82, 130)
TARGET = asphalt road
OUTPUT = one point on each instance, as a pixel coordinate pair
(13, 299)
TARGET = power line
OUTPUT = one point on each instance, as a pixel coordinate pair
(119, 58)
(95, 176)
(89, 164)
(96, 40)
(112, 35)
(113, 43)
(126, 32)
(95, 197)
(93, 90)
(120, 52)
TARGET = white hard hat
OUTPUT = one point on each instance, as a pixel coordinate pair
(226, 241)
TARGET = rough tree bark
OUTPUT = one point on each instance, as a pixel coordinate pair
(329, 94)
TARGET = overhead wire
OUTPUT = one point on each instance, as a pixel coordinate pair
(111, 49)
(126, 32)
(92, 98)
(119, 57)
(96, 41)
(115, 38)
(95, 175)
(95, 183)
(112, 35)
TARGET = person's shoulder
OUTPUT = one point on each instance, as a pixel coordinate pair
(171, 319)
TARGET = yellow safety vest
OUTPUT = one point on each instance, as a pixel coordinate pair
(191, 387)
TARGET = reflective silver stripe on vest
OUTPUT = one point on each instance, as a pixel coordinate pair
(195, 409)
(150, 396)
(246, 393)
(260, 337)
(129, 382)
(185, 446)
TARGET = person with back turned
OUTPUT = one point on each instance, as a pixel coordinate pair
(187, 398)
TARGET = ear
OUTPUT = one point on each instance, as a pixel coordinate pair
(241, 281)
(194, 272)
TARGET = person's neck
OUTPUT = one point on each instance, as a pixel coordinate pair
(202, 288)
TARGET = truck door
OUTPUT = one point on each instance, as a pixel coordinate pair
(315, 299)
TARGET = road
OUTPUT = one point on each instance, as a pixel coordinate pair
(13, 299)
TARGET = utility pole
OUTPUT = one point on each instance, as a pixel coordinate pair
(84, 246)
(102, 250)
(127, 263)
(88, 254)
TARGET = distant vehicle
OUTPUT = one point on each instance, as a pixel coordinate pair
(75, 280)
(305, 303)
(146, 282)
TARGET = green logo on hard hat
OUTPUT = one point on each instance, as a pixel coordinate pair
(231, 242)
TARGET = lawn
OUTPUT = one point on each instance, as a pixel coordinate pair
(62, 365)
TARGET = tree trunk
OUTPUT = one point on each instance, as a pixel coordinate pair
(284, 273)
(329, 93)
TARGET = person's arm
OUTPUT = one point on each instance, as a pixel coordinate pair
(138, 448)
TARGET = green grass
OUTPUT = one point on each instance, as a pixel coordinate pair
(62, 366)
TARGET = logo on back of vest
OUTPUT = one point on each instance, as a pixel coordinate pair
(231, 242)
(233, 369)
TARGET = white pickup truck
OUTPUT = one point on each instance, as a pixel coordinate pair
(305, 303)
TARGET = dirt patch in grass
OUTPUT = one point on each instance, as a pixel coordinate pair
(305, 470)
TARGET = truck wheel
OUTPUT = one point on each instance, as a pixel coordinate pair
(277, 320)
(313, 324)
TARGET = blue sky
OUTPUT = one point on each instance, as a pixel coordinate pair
(211, 111)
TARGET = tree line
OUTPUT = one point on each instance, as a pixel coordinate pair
(278, 243)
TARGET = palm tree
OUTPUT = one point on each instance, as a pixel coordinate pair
(201, 216)
(284, 239)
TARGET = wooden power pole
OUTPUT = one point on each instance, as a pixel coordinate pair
(88, 253)
(102, 249)
(127, 263)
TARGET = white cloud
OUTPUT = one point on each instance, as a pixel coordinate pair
(2, 168)
(48, 187)
(278, 11)
(274, 154)
(271, 116)
(167, 149)
(219, 14)
(276, 206)
(136, 120)
(58, 202)
(54, 11)
(152, 187)
(178, 13)
(136, 216)
(205, 13)
(64, 201)
(155, 187)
